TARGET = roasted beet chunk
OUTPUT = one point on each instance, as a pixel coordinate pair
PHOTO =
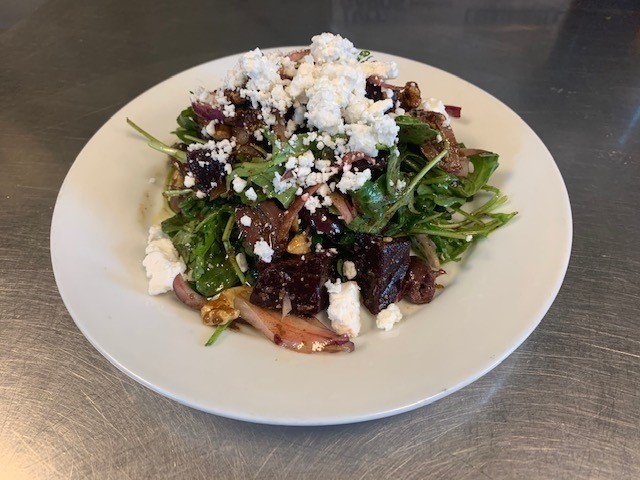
(321, 221)
(382, 263)
(420, 282)
(374, 91)
(208, 173)
(301, 277)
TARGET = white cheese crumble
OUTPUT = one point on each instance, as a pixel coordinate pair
(251, 194)
(245, 220)
(353, 180)
(263, 251)
(349, 269)
(327, 89)
(162, 262)
(388, 317)
(312, 203)
(344, 307)
(239, 184)
(189, 180)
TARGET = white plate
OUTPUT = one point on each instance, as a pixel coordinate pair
(496, 299)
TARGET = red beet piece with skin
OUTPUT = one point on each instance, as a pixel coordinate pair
(381, 263)
(301, 277)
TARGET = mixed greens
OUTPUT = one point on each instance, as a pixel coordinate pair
(426, 191)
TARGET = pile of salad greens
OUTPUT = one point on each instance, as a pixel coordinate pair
(243, 211)
(432, 202)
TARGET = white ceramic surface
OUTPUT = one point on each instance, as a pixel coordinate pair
(493, 301)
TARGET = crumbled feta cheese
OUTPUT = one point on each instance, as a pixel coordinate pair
(344, 307)
(152, 180)
(333, 287)
(468, 238)
(162, 262)
(241, 260)
(388, 317)
(327, 91)
(349, 269)
(210, 129)
(328, 48)
(189, 180)
(251, 194)
(245, 220)
(312, 203)
(353, 180)
(263, 251)
(239, 184)
(401, 184)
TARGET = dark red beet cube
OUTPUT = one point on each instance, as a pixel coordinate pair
(301, 277)
(382, 263)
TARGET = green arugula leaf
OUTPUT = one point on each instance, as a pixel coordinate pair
(197, 234)
(189, 129)
(484, 164)
(414, 131)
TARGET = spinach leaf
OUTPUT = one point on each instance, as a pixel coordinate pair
(414, 131)
(196, 233)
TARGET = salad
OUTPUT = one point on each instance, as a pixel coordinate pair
(309, 182)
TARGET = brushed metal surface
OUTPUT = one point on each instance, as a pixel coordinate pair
(565, 405)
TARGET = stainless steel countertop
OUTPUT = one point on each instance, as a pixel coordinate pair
(565, 405)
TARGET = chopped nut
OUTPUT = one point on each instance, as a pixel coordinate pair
(409, 96)
(220, 310)
(299, 245)
(221, 132)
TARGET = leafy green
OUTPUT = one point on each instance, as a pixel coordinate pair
(363, 55)
(414, 131)
(377, 206)
(188, 129)
(484, 164)
(261, 172)
(197, 235)
(216, 333)
(159, 145)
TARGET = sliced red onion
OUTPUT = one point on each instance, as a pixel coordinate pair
(428, 250)
(286, 305)
(292, 332)
(467, 152)
(453, 111)
(280, 129)
(207, 112)
(344, 207)
(186, 294)
(298, 55)
(291, 213)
